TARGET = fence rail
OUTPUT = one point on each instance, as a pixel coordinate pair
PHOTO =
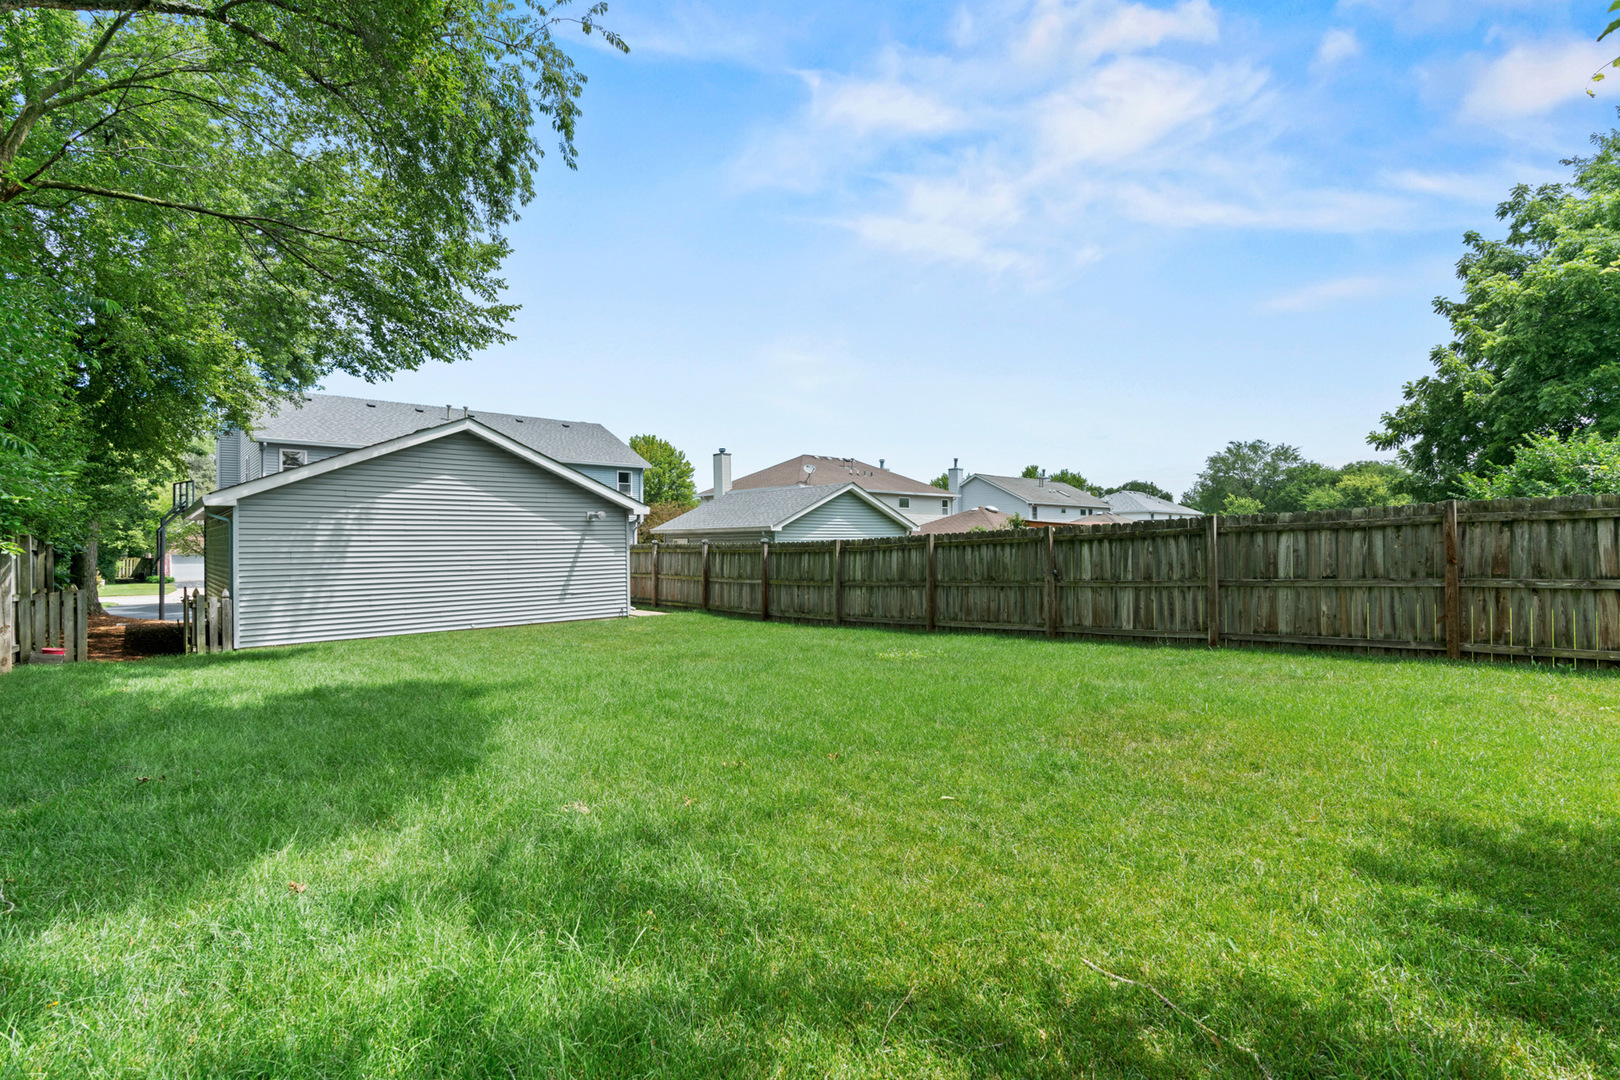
(1509, 578)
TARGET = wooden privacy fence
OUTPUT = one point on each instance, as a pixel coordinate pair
(1509, 578)
(34, 613)
(205, 621)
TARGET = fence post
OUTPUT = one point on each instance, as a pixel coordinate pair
(838, 582)
(81, 627)
(185, 621)
(70, 624)
(227, 626)
(764, 579)
(705, 575)
(932, 581)
(655, 573)
(1453, 585)
(213, 621)
(8, 574)
(1212, 567)
(1051, 583)
(53, 621)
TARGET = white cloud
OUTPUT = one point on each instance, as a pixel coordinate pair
(1534, 78)
(1338, 45)
(866, 106)
(1051, 127)
(1323, 294)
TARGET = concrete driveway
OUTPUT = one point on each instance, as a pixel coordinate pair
(143, 607)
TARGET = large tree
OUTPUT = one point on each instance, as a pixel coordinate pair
(1255, 470)
(1535, 346)
(668, 478)
(225, 201)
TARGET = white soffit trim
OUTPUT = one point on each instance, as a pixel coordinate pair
(231, 495)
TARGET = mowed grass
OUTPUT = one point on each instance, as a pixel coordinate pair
(694, 846)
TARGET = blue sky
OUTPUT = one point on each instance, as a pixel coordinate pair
(1091, 234)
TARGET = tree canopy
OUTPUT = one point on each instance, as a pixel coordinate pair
(668, 478)
(1535, 346)
(1259, 477)
(212, 204)
(1550, 466)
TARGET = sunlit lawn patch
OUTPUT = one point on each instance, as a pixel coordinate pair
(698, 846)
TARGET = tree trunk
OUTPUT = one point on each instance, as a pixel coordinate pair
(89, 576)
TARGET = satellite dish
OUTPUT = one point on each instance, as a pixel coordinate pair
(808, 469)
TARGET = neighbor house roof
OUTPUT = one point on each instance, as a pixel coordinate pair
(334, 420)
(830, 471)
(230, 496)
(767, 508)
(980, 517)
(1137, 502)
(1093, 518)
(1034, 493)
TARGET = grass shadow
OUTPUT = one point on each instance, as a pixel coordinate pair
(149, 789)
(1520, 922)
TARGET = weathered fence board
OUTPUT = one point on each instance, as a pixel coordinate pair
(1526, 578)
(37, 613)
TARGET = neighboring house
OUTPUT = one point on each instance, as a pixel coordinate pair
(844, 511)
(1139, 506)
(447, 528)
(917, 500)
(980, 517)
(1039, 499)
(323, 425)
(1099, 518)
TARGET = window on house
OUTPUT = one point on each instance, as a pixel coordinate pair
(624, 481)
(944, 506)
(291, 459)
(905, 504)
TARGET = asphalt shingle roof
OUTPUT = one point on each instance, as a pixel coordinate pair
(980, 517)
(833, 470)
(752, 508)
(335, 420)
(1052, 494)
(1137, 502)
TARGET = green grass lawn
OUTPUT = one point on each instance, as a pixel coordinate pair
(134, 588)
(688, 845)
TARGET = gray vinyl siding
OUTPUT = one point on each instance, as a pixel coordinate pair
(845, 517)
(977, 492)
(217, 552)
(270, 456)
(252, 461)
(228, 458)
(449, 535)
(609, 475)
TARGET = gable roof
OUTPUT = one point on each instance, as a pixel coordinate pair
(980, 517)
(1032, 492)
(769, 508)
(230, 496)
(831, 471)
(335, 420)
(1139, 502)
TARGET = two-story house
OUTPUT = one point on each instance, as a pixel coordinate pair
(1037, 499)
(918, 500)
(342, 517)
(323, 425)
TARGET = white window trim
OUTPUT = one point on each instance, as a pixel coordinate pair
(301, 459)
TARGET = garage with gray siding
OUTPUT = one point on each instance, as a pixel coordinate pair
(450, 528)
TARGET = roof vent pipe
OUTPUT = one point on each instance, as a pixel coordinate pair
(880, 463)
(722, 473)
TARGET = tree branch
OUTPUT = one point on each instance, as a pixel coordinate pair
(263, 224)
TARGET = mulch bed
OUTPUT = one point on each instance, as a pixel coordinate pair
(113, 638)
